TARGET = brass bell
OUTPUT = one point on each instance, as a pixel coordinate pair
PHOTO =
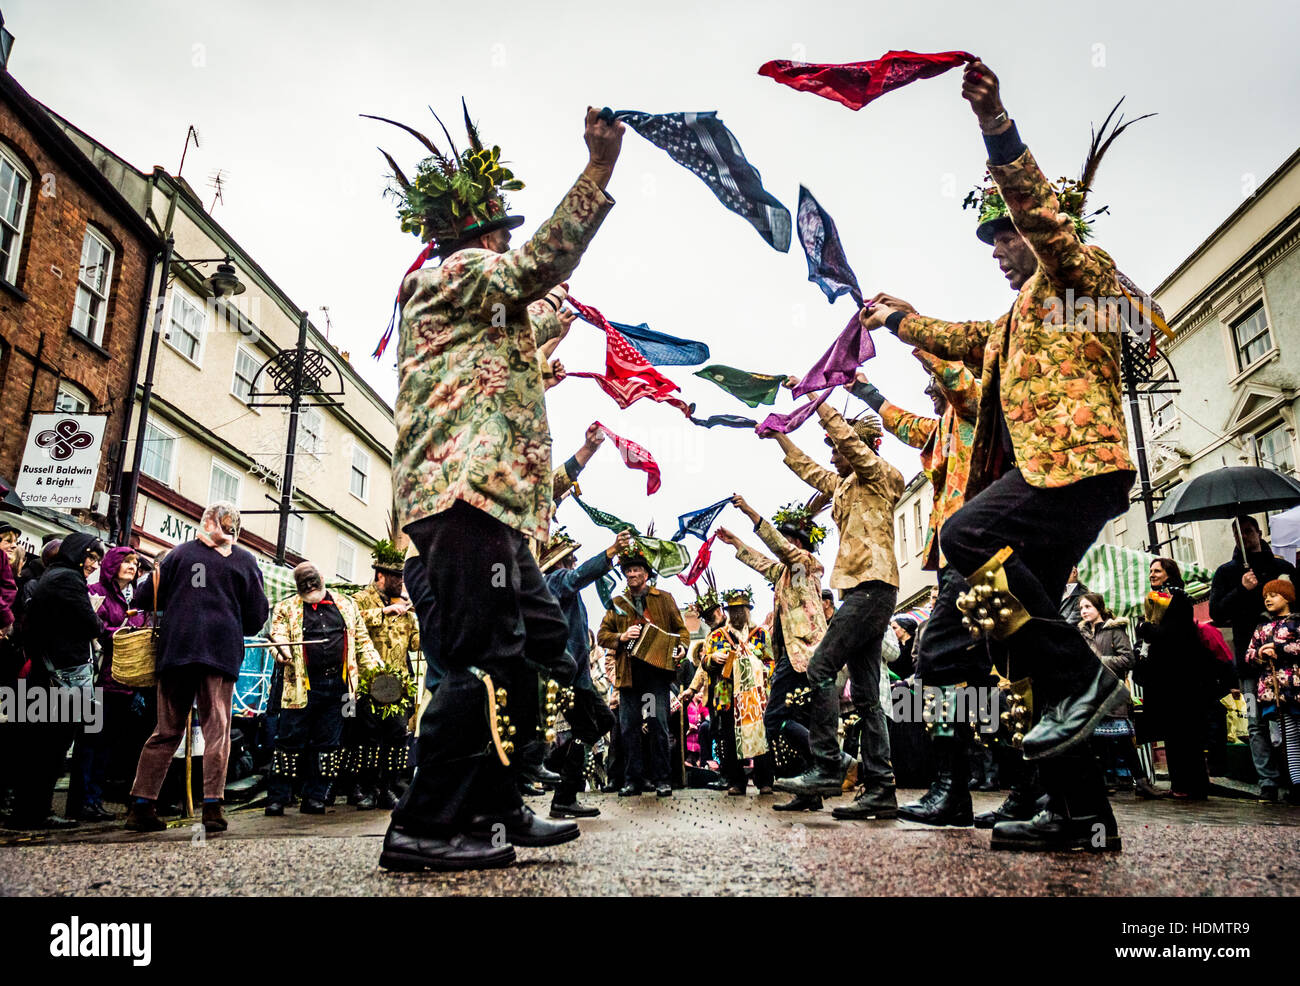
(1005, 717)
(501, 696)
(982, 612)
(510, 730)
(987, 625)
(974, 631)
(1017, 739)
(508, 747)
(991, 579)
(965, 602)
(1004, 613)
(995, 600)
(505, 720)
(983, 591)
(550, 735)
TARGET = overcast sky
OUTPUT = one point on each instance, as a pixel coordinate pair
(275, 88)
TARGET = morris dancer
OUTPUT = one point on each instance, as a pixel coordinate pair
(943, 658)
(865, 488)
(1050, 463)
(797, 627)
(376, 739)
(589, 717)
(731, 670)
(317, 678)
(472, 480)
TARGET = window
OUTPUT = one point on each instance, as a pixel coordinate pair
(94, 279)
(347, 560)
(246, 367)
(916, 514)
(186, 332)
(223, 485)
(311, 428)
(902, 539)
(1250, 336)
(71, 399)
(1276, 450)
(295, 538)
(14, 186)
(1163, 414)
(360, 481)
(159, 453)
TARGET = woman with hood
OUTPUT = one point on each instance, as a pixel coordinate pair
(59, 628)
(1108, 637)
(114, 750)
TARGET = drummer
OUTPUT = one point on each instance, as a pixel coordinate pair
(323, 646)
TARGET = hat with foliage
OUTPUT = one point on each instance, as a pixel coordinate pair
(559, 548)
(739, 597)
(453, 197)
(388, 557)
(707, 600)
(1071, 193)
(799, 519)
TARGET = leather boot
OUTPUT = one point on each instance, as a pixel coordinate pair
(873, 804)
(801, 802)
(1050, 831)
(405, 852)
(1071, 720)
(142, 816)
(213, 819)
(1021, 804)
(948, 800)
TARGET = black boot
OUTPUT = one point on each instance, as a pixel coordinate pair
(948, 800)
(873, 804)
(801, 802)
(565, 804)
(1050, 831)
(1021, 804)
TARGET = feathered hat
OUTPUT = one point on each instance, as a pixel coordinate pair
(559, 548)
(1071, 194)
(453, 197)
(707, 600)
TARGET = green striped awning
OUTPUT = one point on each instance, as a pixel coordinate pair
(1121, 576)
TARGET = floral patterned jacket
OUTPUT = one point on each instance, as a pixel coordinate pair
(863, 504)
(471, 415)
(1059, 386)
(393, 637)
(797, 580)
(945, 443)
(1284, 635)
(286, 625)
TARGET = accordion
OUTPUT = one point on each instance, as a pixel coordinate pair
(655, 646)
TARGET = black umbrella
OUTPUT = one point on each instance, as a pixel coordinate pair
(1227, 493)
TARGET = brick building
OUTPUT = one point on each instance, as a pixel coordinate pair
(76, 260)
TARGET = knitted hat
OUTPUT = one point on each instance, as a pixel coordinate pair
(1281, 587)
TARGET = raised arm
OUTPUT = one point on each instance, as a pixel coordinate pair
(868, 466)
(486, 283)
(818, 477)
(910, 429)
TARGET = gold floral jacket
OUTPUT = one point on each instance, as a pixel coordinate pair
(286, 625)
(471, 415)
(1059, 386)
(393, 637)
(797, 581)
(862, 505)
(945, 443)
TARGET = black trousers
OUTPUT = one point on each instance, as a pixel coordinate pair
(646, 701)
(495, 614)
(853, 639)
(944, 652)
(784, 722)
(1049, 530)
(730, 765)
